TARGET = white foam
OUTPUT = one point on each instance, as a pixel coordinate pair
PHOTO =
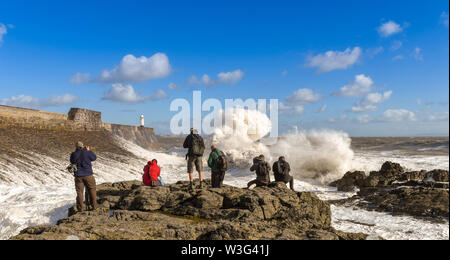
(386, 226)
(39, 191)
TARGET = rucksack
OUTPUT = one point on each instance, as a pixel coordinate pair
(198, 146)
(263, 169)
(222, 162)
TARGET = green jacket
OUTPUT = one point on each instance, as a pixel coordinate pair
(213, 158)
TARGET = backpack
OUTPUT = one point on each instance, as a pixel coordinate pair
(222, 162)
(156, 183)
(198, 146)
(263, 169)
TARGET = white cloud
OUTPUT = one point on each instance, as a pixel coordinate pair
(444, 19)
(341, 118)
(304, 96)
(3, 32)
(207, 81)
(296, 103)
(369, 102)
(230, 78)
(396, 45)
(173, 86)
(374, 51)
(399, 115)
(361, 86)
(364, 119)
(80, 78)
(334, 60)
(126, 94)
(33, 102)
(437, 117)
(123, 93)
(321, 109)
(389, 28)
(57, 101)
(158, 94)
(227, 78)
(132, 69)
(398, 57)
(417, 54)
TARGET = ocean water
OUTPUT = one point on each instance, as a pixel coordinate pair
(35, 198)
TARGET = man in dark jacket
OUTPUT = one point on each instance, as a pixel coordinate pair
(281, 170)
(217, 175)
(194, 142)
(262, 169)
(83, 158)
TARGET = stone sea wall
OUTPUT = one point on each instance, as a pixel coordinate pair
(78, 119)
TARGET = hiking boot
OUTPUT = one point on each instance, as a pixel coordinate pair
(191, 186)
(201, 184)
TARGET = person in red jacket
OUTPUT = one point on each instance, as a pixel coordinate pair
(152, 173)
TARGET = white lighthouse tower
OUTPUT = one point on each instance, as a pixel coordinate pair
(142, 120)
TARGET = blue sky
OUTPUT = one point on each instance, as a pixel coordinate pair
(377, 68)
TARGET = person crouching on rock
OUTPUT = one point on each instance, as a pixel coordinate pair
(84, 176)
(152, 174)
(281, 169)
(262, 169)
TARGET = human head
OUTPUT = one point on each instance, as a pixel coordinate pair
(261, 157)
(154, 160)
(213, 147)
(194, 130)
(282, 158)
(79, 145)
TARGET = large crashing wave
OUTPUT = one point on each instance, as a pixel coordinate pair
(322, 155)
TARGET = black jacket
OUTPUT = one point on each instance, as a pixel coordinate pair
(188, 143)
(281, 171)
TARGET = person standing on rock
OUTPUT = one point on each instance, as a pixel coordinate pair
(281, 169)
(219, 164)
(84, 175)
(194, 142)
(262, 169)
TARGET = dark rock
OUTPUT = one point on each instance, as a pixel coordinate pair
(412, 201)
(350, 181)
(417, 193)
(131, 211)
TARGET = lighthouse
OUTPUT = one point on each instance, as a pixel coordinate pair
(142, 120)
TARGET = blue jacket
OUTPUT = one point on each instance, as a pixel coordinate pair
(84, 164)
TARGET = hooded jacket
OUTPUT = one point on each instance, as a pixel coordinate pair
(151, 173)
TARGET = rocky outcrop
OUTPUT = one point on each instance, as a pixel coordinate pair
(350, 181)
(131, 211)
(421, 194)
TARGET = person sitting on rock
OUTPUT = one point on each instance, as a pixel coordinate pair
(281, 169)
(152, 174)
(262, 169)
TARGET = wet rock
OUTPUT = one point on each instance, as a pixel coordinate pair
(350, 181)
(415, 193)
(412, 201)
(131, 211)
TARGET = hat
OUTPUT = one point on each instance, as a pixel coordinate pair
(79, 144)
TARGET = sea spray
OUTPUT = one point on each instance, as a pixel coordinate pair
(322, 155)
